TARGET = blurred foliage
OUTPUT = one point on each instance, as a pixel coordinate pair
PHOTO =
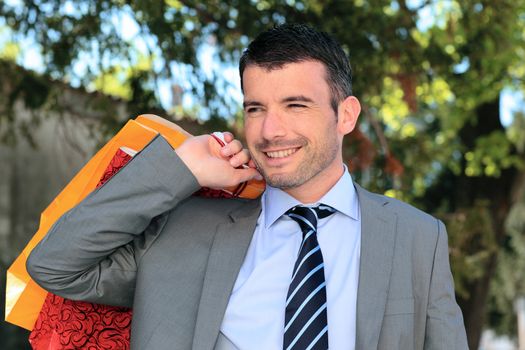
(429, 75)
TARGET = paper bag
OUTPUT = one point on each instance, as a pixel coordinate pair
(24, 298)
(67, 324)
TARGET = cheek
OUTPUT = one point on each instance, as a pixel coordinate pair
(250, 130)
(248, 135)
(251, 141)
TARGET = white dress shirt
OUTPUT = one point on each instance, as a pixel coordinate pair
(254, 317)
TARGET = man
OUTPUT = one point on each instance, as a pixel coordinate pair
(316, 262)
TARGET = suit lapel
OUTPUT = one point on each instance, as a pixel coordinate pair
(378, 231)
(226, 257)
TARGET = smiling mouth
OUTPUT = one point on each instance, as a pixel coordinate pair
(281, 153)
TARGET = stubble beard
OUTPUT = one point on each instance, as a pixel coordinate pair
(312, 164)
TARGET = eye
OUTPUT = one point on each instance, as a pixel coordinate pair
(296, 106)
(253, 109)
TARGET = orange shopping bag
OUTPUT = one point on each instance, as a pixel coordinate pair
(24, 298)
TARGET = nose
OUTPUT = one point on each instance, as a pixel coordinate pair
(274, 125)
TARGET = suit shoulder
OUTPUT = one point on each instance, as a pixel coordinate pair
(218, 206)
(226, 203)
(403, 211)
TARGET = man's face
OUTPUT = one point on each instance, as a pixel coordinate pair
(291, 129)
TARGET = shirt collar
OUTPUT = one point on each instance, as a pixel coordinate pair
(342, 197)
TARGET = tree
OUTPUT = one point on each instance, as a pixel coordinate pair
(429, 73)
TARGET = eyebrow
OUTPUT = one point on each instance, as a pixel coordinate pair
(298, 98)
(251, 103)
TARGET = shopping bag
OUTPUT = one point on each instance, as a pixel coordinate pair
(24, 298)
(64, 324)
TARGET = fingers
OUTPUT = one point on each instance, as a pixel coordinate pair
(228, 136)
(247, 174)
(243, 157)
(231, 148)
(235, 151)
(215, 166)
(239, 156)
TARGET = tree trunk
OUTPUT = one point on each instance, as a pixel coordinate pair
(463, 193)
(498, 192)
(474, 308)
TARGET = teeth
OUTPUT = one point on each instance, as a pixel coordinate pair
(282, 153)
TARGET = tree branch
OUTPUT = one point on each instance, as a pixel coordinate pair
(377, 130)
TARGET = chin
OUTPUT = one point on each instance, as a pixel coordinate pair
(283, 181)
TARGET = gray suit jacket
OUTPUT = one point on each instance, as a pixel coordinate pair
(141, 240)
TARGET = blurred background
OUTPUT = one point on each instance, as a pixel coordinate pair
(443, 125)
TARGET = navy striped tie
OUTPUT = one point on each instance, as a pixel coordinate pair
(306, 324)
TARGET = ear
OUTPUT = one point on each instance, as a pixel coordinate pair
(348, 112)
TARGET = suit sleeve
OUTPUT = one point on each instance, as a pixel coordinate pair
(93, 250)
(445, 329)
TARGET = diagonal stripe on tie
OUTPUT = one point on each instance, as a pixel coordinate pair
(304, 259)
(304, 313)
(311, 278)
(319, 339)
(306, 325)
(301, 307)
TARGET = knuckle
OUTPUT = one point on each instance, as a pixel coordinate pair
(237, 143)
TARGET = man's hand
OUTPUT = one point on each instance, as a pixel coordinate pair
(217, 169)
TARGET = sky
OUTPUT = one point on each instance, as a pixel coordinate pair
(512, 100)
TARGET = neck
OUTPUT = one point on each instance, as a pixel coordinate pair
(315, 188)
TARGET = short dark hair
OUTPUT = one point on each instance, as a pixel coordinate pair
(291, 43)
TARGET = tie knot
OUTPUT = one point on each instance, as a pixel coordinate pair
(307, 217)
